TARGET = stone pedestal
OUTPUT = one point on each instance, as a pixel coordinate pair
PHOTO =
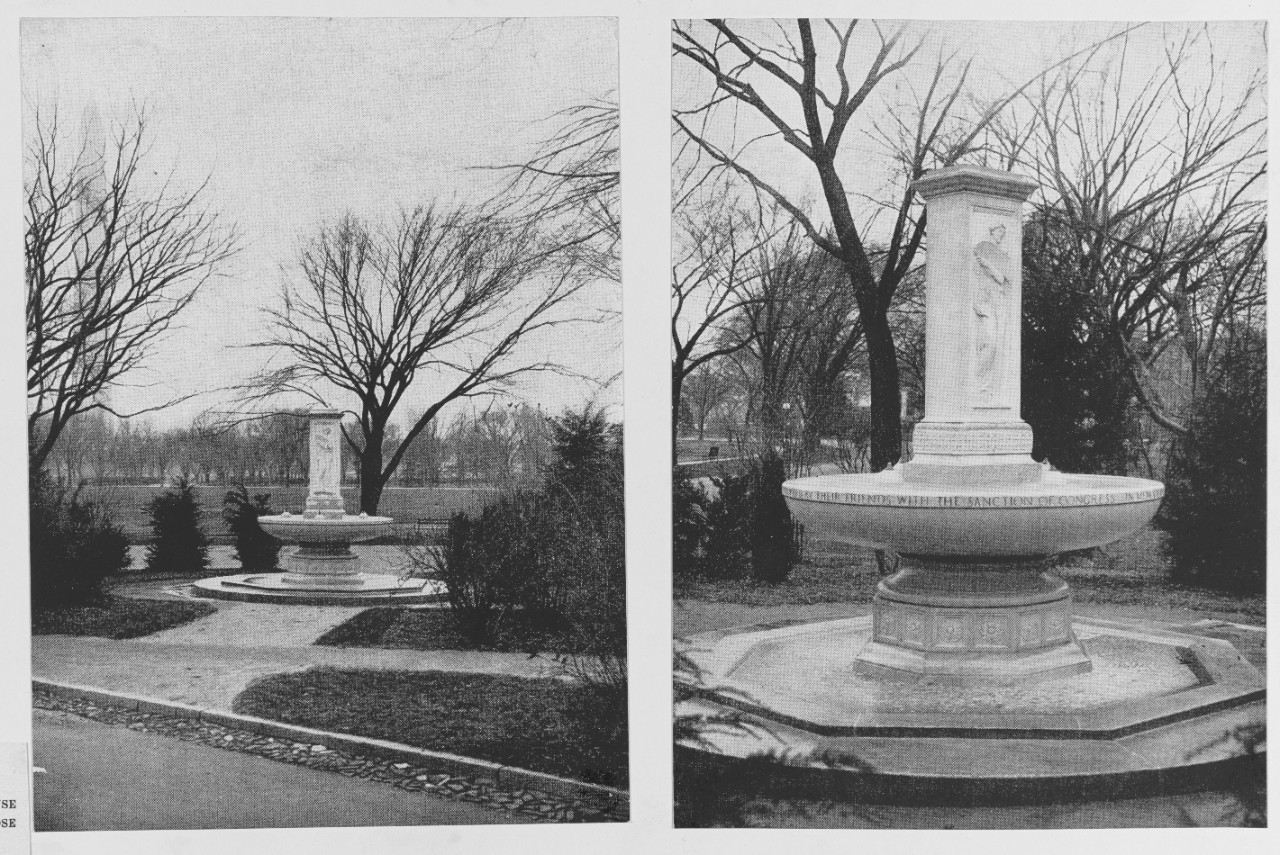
(325, 561)
(972, 433)
(322, 565)
(976, 618)
(973, 614)
(324, 482)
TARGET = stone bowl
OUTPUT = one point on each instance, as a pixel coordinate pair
(298, 528)
(1056, 513)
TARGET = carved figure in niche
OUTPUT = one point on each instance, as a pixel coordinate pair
(323, 455)
(990, 309)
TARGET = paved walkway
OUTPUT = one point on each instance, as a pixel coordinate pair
(162, 783)
(208, 662)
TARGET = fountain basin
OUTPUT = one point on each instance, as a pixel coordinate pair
(971, 596)
(321, 529)
(1058, 512)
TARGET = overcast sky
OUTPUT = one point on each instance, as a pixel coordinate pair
(1004, 55)
(296, 120)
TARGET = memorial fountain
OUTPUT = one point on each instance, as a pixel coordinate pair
(322, 569)
(971, 668)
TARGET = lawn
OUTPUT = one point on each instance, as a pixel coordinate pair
(545, 724)
(1132, 572)
(118, 617)
(435, 629)
(404, 504)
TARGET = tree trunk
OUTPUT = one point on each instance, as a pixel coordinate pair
(886, 397)
(677, 383)
(371, 474)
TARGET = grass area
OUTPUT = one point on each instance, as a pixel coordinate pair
(435, 629)
(830, 573)
(118, 617)
(1132, 572)
(404, 504)
(547, 725)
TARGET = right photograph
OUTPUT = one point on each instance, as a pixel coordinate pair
(968, 364)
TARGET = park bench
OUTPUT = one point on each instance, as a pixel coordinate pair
(433, 528)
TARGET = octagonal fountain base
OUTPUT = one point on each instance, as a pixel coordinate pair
(1156, 712)
(369, 589)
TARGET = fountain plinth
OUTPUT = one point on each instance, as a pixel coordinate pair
(972, 638)
(322, 568)
(325, 531)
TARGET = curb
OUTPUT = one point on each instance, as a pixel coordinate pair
(505, 777)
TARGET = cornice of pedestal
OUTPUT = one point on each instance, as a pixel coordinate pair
(325, 414)
(974, 179)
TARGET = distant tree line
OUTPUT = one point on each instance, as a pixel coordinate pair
(501, 446)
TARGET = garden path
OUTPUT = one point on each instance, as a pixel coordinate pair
(211, 660)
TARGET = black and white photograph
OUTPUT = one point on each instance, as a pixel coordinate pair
(968, 366)
(324, 418)
(894, 481)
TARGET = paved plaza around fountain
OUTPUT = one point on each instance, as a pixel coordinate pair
(928, 794)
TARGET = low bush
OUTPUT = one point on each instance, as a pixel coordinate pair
(772, 539)
(178, 542)
(549, 566)
(556, 556)
(487, 565)
(739, 528)
(256, 550)
(727, 554)
(689, 527)
(1215, 509)
(75, 546)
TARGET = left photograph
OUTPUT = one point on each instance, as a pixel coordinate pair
(324, 409)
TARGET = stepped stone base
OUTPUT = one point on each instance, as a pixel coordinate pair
(359, 590)
(1160, 709)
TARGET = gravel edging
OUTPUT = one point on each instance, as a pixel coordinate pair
(540, 796)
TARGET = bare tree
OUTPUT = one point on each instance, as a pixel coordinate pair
(283, 438)
(807, 87)
(1154, 178)
(111, 261)
(801, 333)
(711, 270)
(708, 389)
(572, 181)
(445, 295)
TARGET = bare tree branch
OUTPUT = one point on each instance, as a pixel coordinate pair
(448, 295)
(110, 264)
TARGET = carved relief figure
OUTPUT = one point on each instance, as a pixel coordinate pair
(990, 309)
(323, 458)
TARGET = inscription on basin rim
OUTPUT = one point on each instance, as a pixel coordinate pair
(1038, 501)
